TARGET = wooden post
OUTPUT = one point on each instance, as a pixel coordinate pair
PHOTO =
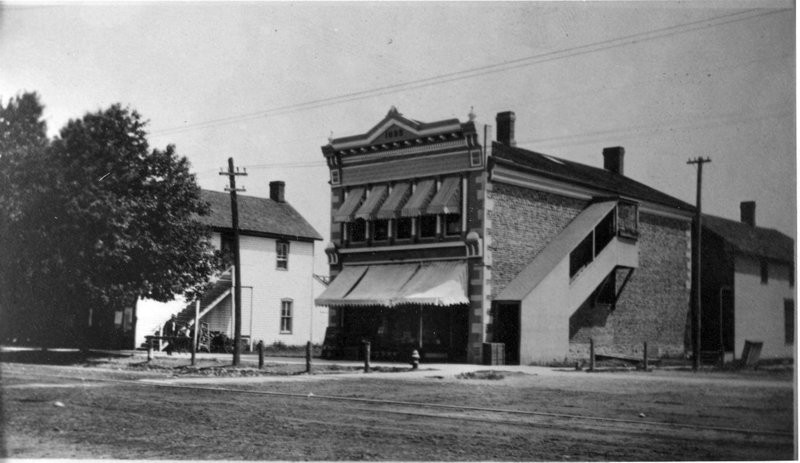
(149, 349)
(260, 354)
(591, 354)
(696, 265)
(237, 286)
(194, 331)
(366, 356)
(646, 366)
(308, 357)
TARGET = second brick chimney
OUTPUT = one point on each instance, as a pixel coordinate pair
(614, 159)
(276, 190)
(748, 212)
(505, 128)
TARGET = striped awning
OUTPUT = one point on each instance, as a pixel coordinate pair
(341, 285)
(436, 283)
(419, 199)
(440, 284)
(376, 196)
(391, 207)
(448, 199)
(346, 210)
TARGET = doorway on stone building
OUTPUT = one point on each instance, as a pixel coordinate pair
(505, 329)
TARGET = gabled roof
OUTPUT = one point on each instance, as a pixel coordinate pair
(258, 216)
(753, 241)
(581, 174)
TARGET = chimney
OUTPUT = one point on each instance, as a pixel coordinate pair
(613, 159)
(276, 191)
(748, 212)
(505, 128)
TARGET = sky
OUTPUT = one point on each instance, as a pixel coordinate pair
(268, 82)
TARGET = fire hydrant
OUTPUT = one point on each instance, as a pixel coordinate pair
(414, 359)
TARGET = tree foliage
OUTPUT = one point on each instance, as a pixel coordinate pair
(94, 218)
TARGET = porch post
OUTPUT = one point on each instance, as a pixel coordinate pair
(419, 308)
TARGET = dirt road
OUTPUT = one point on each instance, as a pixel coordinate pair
(430, 415)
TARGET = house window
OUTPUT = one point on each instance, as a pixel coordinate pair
(452, 224)
(226, 249)
(357, 231)
(286, 316)
(335, 177)
(403, 228)
(788, 320)
(380, 230)
(427, 226)
(282, 253)
(764, 272)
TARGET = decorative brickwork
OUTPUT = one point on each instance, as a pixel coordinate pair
(523, 222)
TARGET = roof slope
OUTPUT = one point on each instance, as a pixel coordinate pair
(258, 216)
(582, 174)
(754, 241)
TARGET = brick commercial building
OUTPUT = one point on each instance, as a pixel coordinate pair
(443, 240)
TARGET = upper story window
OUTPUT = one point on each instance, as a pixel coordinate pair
(764, 271)
(404, 228)
(628, 219)
(226, 248)
(335, 178)
(282, 255)
(380, 230)
(452, 224)
(427, 226)
(475, 158)
(357, 231)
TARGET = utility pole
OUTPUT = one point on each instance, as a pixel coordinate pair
(237, 276)
(698, 242)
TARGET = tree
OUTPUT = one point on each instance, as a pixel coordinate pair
(96, 219)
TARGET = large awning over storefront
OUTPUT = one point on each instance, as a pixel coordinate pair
(348, 208)
(433, 283)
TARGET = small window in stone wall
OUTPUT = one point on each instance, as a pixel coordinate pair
(628, 220)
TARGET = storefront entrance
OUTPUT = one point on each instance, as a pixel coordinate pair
(440, 334)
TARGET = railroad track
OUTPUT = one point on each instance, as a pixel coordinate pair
(429, 411)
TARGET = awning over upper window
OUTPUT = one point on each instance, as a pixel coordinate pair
(391, 207)
(419, 199)
(448, 199)
(374, 200)
(346, 210)
(436, 283)
(341, 285)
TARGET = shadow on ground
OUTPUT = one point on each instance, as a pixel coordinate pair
(55, 357)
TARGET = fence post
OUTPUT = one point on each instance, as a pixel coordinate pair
(149, 349)
(308, 357)
(591, 354)
(645, 356)
(260, 354)
(366, 356)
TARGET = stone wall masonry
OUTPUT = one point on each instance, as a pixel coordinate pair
(522, 222)
(654, 304)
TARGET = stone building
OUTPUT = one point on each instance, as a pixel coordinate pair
(443, 240)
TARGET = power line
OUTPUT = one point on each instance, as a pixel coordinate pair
(483, 70)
